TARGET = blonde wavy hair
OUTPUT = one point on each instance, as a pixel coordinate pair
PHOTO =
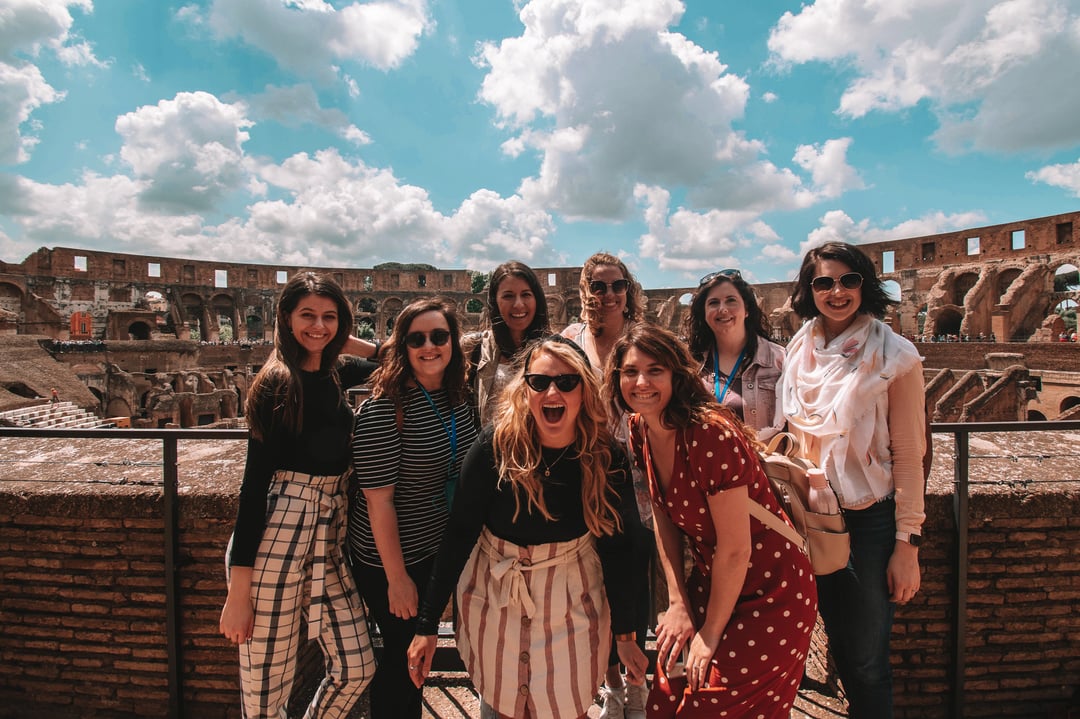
(518, 449)
(590, 304)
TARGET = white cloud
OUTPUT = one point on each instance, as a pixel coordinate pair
(1065, 176)
(828, 167)
(188, 150)
(26, 28)
(610, 99)
(982, 65)
(312, 38)
(836, 226)
(297, 105)
(769, 97)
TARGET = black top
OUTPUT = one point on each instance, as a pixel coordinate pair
(480, 502)
(321, 448)
(414, 459)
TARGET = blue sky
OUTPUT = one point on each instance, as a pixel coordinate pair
(684, 136)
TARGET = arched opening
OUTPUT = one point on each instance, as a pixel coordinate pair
(20, 389)
(685, 299)
(138, 331)
(892, 290)
(254, 327)
(1004, 281)
(1034, 415)
(367, 305)
(920, 320)
(948, 322)
(365, 328)
(1066, 310)
(573, 310)
(10, 297)
(1068, 403)
(962, 285)
(1066, 279)
(474, 306)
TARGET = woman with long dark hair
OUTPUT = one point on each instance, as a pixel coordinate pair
(292, 510)
(729, 335)
(745, 613)
(852, 393)
(517, 314)
(410, 439)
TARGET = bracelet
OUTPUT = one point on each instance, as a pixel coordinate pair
(378, 347)
(628, 637)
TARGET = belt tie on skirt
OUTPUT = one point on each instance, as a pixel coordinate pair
(509, 571)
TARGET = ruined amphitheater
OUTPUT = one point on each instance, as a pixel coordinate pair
(157, 341)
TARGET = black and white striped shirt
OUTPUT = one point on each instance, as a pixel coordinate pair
(415, 462)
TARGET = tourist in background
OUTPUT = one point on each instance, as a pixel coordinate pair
(537, 526)
(410, 438)
(852, 393)
(517, 313)
(747, 610)
(729, 334)
(292, 511)
(611, 303)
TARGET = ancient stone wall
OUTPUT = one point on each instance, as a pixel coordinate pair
(82, 604)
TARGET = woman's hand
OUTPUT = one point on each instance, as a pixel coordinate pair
(701, 652)
(673, 630)
(903, 572)
(635, 661)
(238, 616)
(421, 652)
(403, 597)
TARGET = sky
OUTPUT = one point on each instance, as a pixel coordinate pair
(684, 137)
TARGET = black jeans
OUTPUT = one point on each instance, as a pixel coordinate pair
(393, 694)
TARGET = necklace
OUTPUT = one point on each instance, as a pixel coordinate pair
(547, 467)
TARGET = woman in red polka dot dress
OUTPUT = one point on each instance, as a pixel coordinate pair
(746, 612)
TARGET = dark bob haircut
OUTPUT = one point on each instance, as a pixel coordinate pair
(874, 300)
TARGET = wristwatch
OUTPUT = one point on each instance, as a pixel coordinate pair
(909, 537)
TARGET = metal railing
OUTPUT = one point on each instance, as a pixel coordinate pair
(961, 433)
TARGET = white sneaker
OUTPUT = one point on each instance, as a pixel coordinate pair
(611, 702)
(636, 695)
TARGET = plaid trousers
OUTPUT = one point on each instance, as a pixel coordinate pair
(300, 570)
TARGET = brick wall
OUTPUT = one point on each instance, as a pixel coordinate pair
(82, 625)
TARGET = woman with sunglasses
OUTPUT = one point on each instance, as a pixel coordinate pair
(744, 616)
(410, 439)
(536, 548)
(291, 513)
(728, 333)
(852, 393)
(611, 303)
(517, 313)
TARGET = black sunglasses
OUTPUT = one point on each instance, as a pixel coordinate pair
(416, 340)
(848, 280)
(599, 287)
(563, 382)
(732, 274)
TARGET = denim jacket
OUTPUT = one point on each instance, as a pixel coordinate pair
(759, 381)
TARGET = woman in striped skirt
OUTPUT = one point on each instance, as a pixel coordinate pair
(408, 445)
(536, 547)
(285, 558)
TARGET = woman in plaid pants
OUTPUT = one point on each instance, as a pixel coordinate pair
(285, 561)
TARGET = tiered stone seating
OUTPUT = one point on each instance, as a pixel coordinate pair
(62, 415)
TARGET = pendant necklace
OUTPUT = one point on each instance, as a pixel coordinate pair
(547, 467)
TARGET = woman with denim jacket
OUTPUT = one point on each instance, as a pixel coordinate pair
(728, 333)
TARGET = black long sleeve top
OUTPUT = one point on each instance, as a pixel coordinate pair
(480, 501)
(321, 448)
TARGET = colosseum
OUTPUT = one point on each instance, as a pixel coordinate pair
(167, 341)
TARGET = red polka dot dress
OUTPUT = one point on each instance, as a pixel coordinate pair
(760, 659)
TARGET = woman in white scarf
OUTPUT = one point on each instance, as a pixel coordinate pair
(852, 392)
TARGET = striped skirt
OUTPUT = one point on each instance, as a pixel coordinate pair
(534, 628)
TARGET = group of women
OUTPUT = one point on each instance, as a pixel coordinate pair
(534, 477)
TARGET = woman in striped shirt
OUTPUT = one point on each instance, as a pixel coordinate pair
(408, 444)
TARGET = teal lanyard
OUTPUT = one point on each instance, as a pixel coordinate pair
(451, 432)
(716, 373)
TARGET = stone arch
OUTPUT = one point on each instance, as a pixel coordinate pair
(367, 305)
(11, 297)
(193, 314)
(948, 321)
(962, 284)
(573, 309)
(893, 290)
(139, 330)
(391, 308)
(920, 320)
(224, 318)
(118, 408)
(255, 327)
(1005, 279)
(1035, 415)
(1068, 403)
(365, 328)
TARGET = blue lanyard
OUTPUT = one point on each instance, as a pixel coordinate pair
(716, 373)
(451, 432)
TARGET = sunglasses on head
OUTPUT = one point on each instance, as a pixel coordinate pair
(848, 280)
(563, 382)
(730, 273)
(618, 287)
(416, 340)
